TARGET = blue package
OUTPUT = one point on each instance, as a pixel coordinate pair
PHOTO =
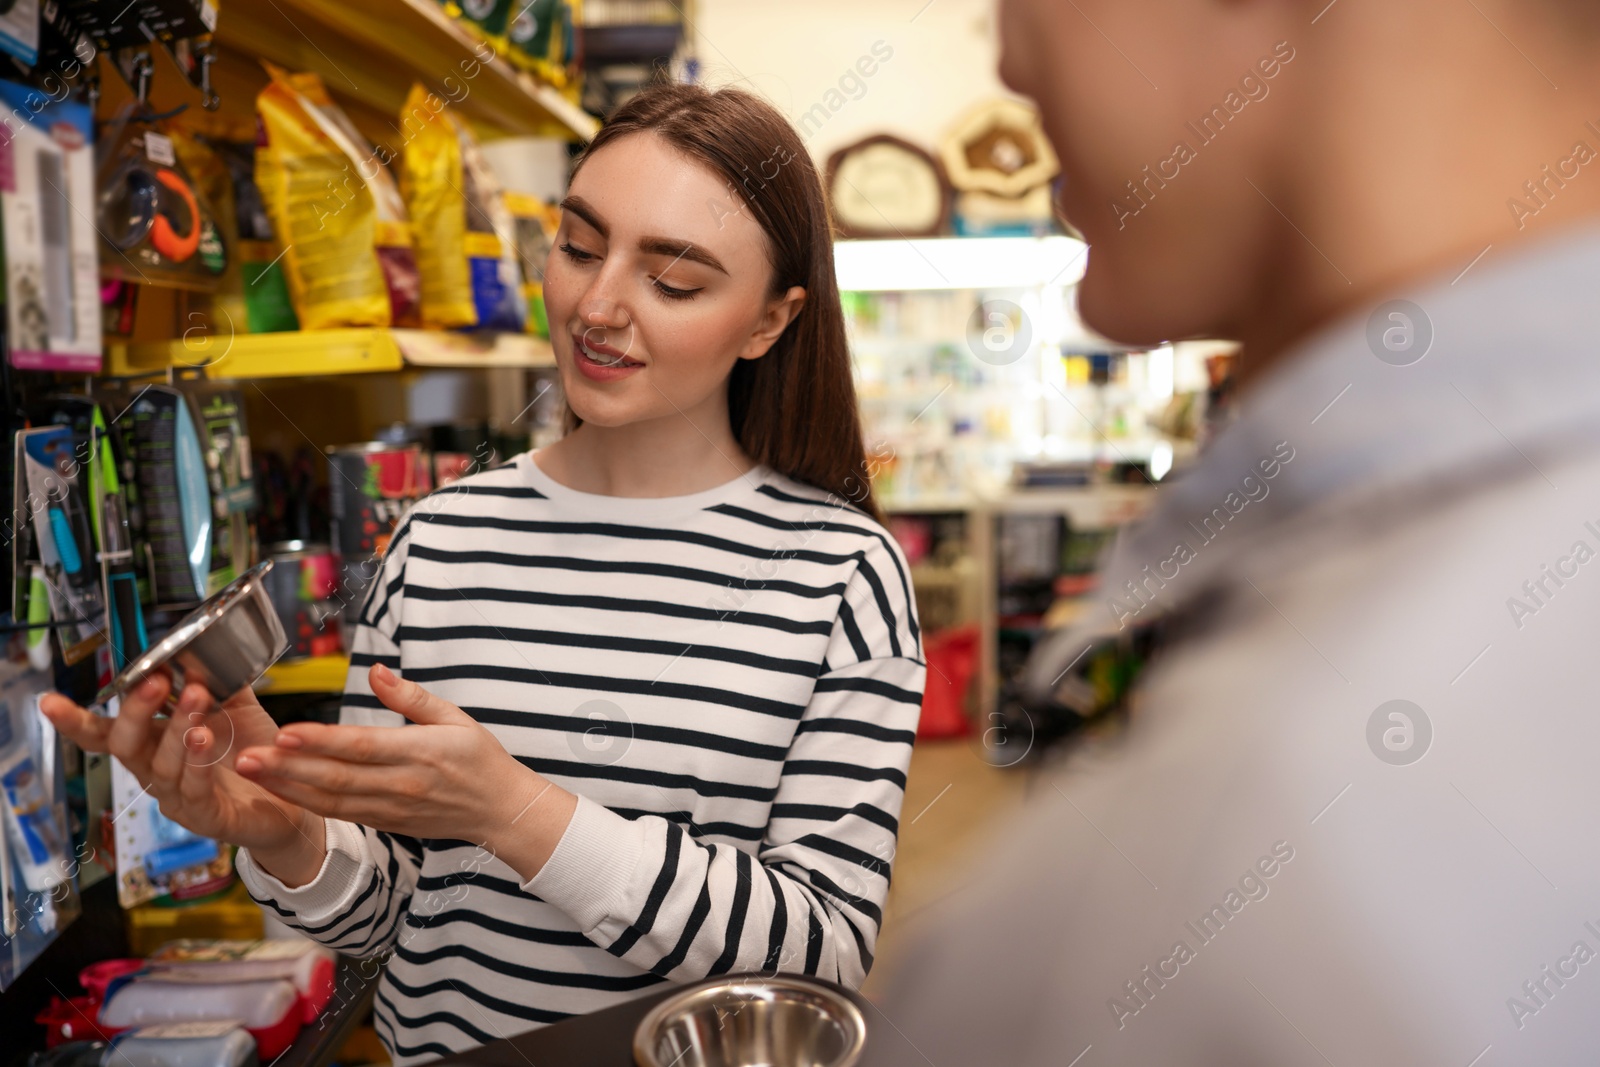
(498, 304)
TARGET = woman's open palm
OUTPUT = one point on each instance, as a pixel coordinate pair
(186, 761)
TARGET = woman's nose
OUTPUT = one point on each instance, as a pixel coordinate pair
(600, 307)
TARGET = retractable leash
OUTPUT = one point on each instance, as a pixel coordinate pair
(155, 204)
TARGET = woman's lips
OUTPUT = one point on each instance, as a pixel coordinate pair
(601, 362)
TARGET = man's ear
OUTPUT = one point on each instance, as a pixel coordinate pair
(779, 313)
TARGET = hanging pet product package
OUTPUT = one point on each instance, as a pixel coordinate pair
(52, 495)
(172, 517)
(157, 229)
(103, 470)
(218, 411)
(52, 288)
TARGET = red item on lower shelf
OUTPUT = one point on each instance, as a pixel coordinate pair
(952, 655)
(273, 1040)
(95, 977)
(73, 1019)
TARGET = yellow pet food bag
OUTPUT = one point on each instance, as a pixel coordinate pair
(348, 255)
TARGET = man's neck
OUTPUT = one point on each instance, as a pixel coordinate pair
(1410, 170)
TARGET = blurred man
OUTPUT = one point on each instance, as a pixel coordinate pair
(1351, 819)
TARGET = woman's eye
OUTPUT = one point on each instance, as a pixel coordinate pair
(577, 254)
(675, 294)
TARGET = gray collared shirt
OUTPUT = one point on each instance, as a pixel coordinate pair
(1356, 818)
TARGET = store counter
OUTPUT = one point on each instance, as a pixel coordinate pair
(605, 1039)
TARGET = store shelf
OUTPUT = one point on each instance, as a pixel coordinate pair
(431, 348)
(319, 674)
(1088, 507)
(318, 352)
(372, 50)
(930, 504)
(958, 263)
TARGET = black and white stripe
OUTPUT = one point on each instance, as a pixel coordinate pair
(730, 681)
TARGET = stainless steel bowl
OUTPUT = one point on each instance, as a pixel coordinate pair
(224, 644)
(754, 1021)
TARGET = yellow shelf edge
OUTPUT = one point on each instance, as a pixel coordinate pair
(319, 674)
(313, 353)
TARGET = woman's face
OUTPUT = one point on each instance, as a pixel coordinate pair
(658, 282)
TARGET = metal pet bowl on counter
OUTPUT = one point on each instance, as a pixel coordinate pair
(754, 1021)
(225, 644)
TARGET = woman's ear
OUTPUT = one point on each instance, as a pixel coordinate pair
(775, 319)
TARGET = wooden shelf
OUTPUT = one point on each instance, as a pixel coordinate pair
(306, 353)
(319, 674)
(372, 50)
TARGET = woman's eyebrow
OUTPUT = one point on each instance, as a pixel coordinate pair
(660, 246)
(680, 249)
(585, 211)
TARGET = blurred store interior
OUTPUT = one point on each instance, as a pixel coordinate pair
(1008, 442)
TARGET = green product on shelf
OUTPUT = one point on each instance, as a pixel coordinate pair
(488, 17)
(267, 304)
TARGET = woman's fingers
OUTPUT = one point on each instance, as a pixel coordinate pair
(134, 732)
(271, 765)
(411, 700)
(247, 722)
(318, 801)
(173, 752)
(355, 744)
(149, 696)
(88, 731)
(196, 784)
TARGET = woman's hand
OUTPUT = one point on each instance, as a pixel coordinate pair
(186, 763)
(446, 776)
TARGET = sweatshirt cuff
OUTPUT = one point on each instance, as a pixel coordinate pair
(326, 895)
(590, 871)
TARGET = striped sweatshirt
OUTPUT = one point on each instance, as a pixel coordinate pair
(729, 681)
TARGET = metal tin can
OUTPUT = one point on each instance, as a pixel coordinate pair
(304, 575)
(370, 488)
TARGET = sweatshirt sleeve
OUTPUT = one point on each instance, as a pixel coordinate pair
(810, 899)
(359, 897)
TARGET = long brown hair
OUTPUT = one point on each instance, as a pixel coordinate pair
(793, 409)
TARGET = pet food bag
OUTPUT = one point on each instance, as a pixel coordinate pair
(337, 210)
(466, 252)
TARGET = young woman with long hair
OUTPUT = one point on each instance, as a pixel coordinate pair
(658, 681)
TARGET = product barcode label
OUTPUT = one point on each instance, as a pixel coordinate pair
(158, 149)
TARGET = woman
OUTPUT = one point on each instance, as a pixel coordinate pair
(659, 680)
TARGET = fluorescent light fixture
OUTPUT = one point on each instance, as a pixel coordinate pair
(959, 263)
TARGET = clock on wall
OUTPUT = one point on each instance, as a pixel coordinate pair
(883, 186)
(1001, 166)
(999, 147)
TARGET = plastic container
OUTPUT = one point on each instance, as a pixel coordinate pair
(72, 1019)
(270, 1010)
(95, 977)
(182, 1045)
(309, 966)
